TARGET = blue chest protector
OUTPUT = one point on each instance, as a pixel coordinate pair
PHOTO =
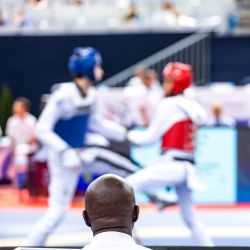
(73, 130)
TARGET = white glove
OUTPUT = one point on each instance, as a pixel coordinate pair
(70, 159)
(132, 136)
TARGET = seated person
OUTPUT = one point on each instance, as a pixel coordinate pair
(110, 212)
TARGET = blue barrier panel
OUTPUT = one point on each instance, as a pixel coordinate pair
(216, 164)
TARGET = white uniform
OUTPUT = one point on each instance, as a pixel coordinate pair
(100, 157)
(174, 124)
(113, 240)
(223, 120)
(63, 124)
(21, 130)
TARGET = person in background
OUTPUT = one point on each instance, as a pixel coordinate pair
(138, 77)
(132, 14)
(218, 118)
(3, 20)
(5, 159)
(146, 85)
(147, 81)
(37, 4)
(167, 16)
(20, 129)
(75, 2)
(21, 20)
(110, 212)
(21, 125)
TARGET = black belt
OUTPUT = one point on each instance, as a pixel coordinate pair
(184, 159)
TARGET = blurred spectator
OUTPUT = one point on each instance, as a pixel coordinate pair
(168, 14)
(222, 14)
(148, 86)
(6, 173)
(218, 117)
(21, 20)
(3, 21)
(75, 2)
(20, 128)
(150, 80)
(170, 7)
(132, 13)
(38, 4)
(138, 78)
(218, 14)
(145, 78)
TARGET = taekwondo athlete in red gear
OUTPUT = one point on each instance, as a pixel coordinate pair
(62, 127)
(174, 124)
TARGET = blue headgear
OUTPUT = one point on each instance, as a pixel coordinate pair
(83, 61)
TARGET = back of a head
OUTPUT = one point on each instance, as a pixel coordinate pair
(139, 71)
(150, 73)
(110, 203)
(217, 109)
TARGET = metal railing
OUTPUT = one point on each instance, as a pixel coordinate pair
(194, 49)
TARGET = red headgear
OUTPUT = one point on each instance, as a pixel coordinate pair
(181, 75)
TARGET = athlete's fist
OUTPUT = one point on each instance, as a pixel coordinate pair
(70, 159)
(131, 137)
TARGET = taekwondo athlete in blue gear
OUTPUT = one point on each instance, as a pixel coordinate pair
(62, 127)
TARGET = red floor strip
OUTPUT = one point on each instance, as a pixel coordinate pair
(13, 198)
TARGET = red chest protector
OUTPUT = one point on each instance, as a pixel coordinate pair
(179, 136)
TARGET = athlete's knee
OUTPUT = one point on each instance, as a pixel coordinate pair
(135, 182)
(54, 216)
(139, 184)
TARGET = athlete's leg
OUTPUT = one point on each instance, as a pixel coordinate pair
(160, 174)
(102, 161)
(61, 191)
(189, 216)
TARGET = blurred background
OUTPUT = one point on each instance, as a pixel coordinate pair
(36, 40)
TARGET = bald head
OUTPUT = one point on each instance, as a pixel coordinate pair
(110, 205)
